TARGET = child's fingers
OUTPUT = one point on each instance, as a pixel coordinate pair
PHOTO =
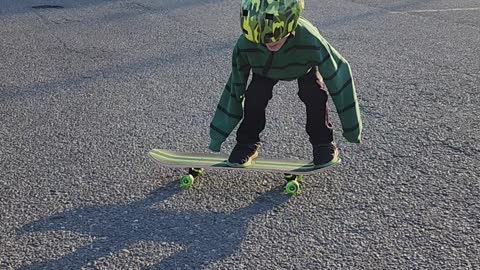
(320, 83)
(319, 80)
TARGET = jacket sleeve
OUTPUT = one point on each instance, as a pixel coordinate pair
(229, 110)
(337, 76)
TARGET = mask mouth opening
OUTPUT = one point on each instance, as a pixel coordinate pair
(268, 38)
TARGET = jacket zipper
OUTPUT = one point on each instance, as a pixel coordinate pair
(268, 64)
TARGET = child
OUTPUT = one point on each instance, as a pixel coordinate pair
(279, 45)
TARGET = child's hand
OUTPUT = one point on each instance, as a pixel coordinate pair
(321, 84)
(319, 81)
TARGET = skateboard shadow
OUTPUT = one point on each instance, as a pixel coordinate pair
(205, 237)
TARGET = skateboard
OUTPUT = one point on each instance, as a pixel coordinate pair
(196, 163)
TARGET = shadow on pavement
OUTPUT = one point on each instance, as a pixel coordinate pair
(206, 237)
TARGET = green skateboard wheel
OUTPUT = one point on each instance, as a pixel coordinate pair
(292, 187)
(187, 181)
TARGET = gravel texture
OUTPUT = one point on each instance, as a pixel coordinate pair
(88, 87)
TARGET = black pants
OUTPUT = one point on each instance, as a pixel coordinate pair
(259, 92)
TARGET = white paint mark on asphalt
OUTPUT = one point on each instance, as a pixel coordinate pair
(436, 10)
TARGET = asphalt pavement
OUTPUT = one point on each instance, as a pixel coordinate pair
(87, 88)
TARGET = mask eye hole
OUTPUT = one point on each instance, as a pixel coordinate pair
(245, 12)
(269, 16)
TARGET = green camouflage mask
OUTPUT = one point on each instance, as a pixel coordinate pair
(265, 21)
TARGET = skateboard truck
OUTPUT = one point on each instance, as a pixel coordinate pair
(292, 187)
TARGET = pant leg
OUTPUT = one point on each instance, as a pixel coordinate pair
(258, 93)
(315, 97)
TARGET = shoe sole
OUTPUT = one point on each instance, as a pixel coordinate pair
(249, 162)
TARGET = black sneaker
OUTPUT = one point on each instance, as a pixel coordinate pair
(323, 154)
(243, 155)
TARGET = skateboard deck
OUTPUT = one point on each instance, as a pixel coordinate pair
(174, 159)
(293, 170)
